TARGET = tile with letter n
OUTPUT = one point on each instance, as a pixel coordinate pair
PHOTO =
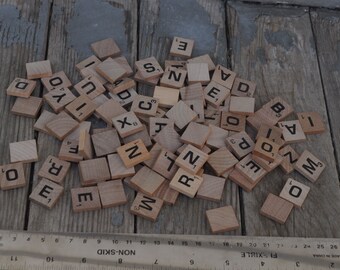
(106, 142)
(105, 48)
(133, 153)
(186, 183)
(182, 47)
(81, 108)
(276, 208)
(240, 144)
(311, 122)
(233, 122)
(212, 188)
(117, 167)
(85, 199)
(294, 192)
(112, 193)
(196, 134)
(39, 69)
(149, 68)
(24, 151)
(59, 98)
(12, 176)
(144, 105)
(222, 219)
(290, 156)
(309, 166)
(90, 86)
(111, 70)
(221, 161)
(54, 169)
(277, 109)
(191, 159)
(224, 76)
(198, 73)
(46, 193)
(167, 97)
(243, 88)
(266, 149)
(292, 131)
(93, 171)
(127, 124)
(182, 114)
(61, 125)
(174, 78)
(146, 206)
(250, 169)
(21, 88)
(215, 94)
(28, 107)
(69, 151)
(57, 80)
(165, 164)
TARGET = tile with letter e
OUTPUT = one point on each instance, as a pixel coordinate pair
(112, 193)
(54, 169)
(243, 88)
(149, 68)
(133, 153)
(181, 47)
(215, 94)
(191, 159)
(309, 166)
(117, 167)
(224, 76)
(28, 107)
(186, 183)
(290, 156)
(167, 97)
(250, 169)
(105, 48)
(59, 98)
(294, 192)
(196, 134)
(240, 144)
(266, 149)
(90, 86)
(85, 199)
(174, 78)
(165, 164)
(61, 125)
(221, 161)
(111, 70)
(46, 193)
(127, 124)
(292, 131)
(222, 219)
(81, 108)
(24, 151)
(233, 122)
(311, 122)
(198, 73)
(147, 181)
(211, 188)
(106, 142)
(217, 137)
(242, 105)
(182, 114)
(146, 206)
(21, 88)
(88, 62)
(12, 176)
(57, 80)
(39, 69)
(93, 171)
(276, 208)
(144, 105)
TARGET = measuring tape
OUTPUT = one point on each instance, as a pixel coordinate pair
(24, 250)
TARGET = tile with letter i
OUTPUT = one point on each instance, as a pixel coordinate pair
(54, 169)
(186, 183)
(12, 176)
(21, 88)
(224, 76)
(309, 166)
(292, 131)
(85, 199)
(133, 153)
(146, 206)
(295, 192)
(127, 124)
(243, 88)
(240, 144)
(149, 68)
(192, 159)
(266, 149)
(88, 62)
(59, 98)
(144, 105)
(311, 122)
(57, 80)
(215, 94)
(46, 193)
(222, 219)
(81, 108)
(90, 87)
(181, 47)
(270, 132)
(276, 208)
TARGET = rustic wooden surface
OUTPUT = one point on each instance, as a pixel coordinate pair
(287, 50)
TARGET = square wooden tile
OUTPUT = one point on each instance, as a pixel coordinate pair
(294, 192)
(167, 97)
(28, 107)
(311, 122)
(148, 81)
(270, 132)
(147, 181)
(75, 134)
(12, 176)
(215, 94)
(224, 76)
(235, 176)
(69, 151)
(105, 48)
(39, 69)
(292, 131)
(198, 73)
(196, 134)
(85, 145)
(117, 167)
(110, 70)
(112, 193)
(243, 88)
(133, 153)
(242, 105)
(174, 78)
(91, 71)
(217, 137)
(212, 188)
(146, 206)
(250, 169)
(43, 119)
(61, 125)
(186, 183)
(81, 108)
(181, 114)
(276, 208)
(222, 219)
(90, 86)
(46, 193)
(268, 165)
(87, 62)
(277, 109)
(85, 199)
(154, 153)
(165, 164)
(290, 156)
(143, 135)
(120, 85)
(109, 110)
(159, 114)
(106, 142)
(240, 144)
(149, 68)
(198, 107)
(191, 159)
(309, 166)
(54, 169)
(21, 88)
(192, 92)
(144, 105)
(59, 98)
(56, 81)
(167, 194)
(212, 117)
(266, 149)
(221, 160)
(233, 122)
(156, 124)
(205, 58)
(127, 124)
(93, 171)
(181, 47)
(125, 97)
(24, 151)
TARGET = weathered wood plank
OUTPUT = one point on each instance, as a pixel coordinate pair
(308, 3)
(202, 21)
(275, 48)
(74, 26)
(23, 32)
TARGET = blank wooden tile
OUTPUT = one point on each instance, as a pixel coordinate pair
(192, 92)
(181, 47)
(85, 199)
(90, 61)
(217, 137)
(156, 124)
(133, 153)
(294, 192)
(61, 125)
(221, 160)
(125, 97)
(224, 76)
(222, 219)
(93, 171)
(167, 97)
(240, 144)
(12, 176)
(198, 107)
(198, 72)
(120, 85)
(191, 159)
(290, 156)
(212, 117)
(205, 58)
(309, 166)
(28, 107)
(46, 193)
(54, 169)
(105, 48)
(186, 183)
(21, 88)
(243, 88)
(110, 70)
(143, 135)
(212, 188)
(74, 135)
(266, 149)
(215, 94)
(91, 71)
(165, 164)
(99, 101)
(109, 110)
(267, 165)
(24, 151)
(196, 134)
(39, 69)
(292, 131)
(146, 206)
(147, 181)
(311, 122)
(90, 86)
(270, 132)
(277, 109)
(81, 108)
(242, 105)
(181, 114)
(154, 153)
(117, 167)
(106, 142)
(276, 208)
(127, 124)
(233, 122)
(250, 169)
(149, 68)
(69, 151)
(167, 194)
(261, 117)
(85, 145)
(235, 176)
(59, 98)
(112, 193)
(57, 80)
(144, 105)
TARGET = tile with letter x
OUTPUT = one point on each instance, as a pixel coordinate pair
(133, 153)
(149, 68)
(127, 124)
(146, 206)
(112, 193)
(309, 166)
(294, 192)
(222, 219)
(54, 169)
(90, 86)
(57, 80)
(191, 159)
(147, 181)
(12, 176)
(21, 88)
(46, 193)
(85, 199)
(240, 144)
(93, 171)
(59, 98)
(181, 47)
(276, 208)
(81, 108)
(186, 183)
(221, 161)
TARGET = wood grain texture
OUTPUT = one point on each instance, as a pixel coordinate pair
(275, 48)
(309, 3)
(74, 26)
(23, 34)
(160, 21)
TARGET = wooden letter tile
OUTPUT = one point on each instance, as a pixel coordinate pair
(54, 169)
(240, 144)
(105, 48)
(149, 68)
(43, 119)
(143, 135)
(233, 122)
(196, 134)
(133, 153)
(309, 166)
(215, 94)
(198, 107)
(167, 194)
(311, 122)
(181, 47)
(110, 70)
(24, 151)
(276, 208)
(59, 98)
(252, 171)
(106, 142)
(156, 124)
(243, 88)
(90, 87)
(174, 78)
(205, 58)
(192, 92)
(85, 199)
(146, 206)
(39, 69)
(165, 164)
(270, 132)
(12, 176)
(294, 192)
(267, 165)
(277, 109)
(224, 76)
(186, 183)
(191, 159)
(221, 160)
(181, 114)
(127, 124)
(290, 156)
(90, 61)
(292, 131)
(167, 97)
(61, 125)
(217, 137)
(144, 105)
(109, 110)
(241, 181)
(69, 151)
(212, 117)
(112, 193)
(57, 80)
(212, 188)
(28, 107)
(242, 105)
(21, 88)
(120, 85)
(198, 72)
(117, 167)
(81, 108)
(93, 171)
(266, 149)
(147, 181)
(222, 219)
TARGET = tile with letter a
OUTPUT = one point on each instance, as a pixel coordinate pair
(12, 176)
(105, 48)
(192, 159)
(212, 188)
(88, 62)
(294, 192)
(133, 153)
(147, 181)
(146, 206)
(85, 199)
(243, 88)
(54, 169)
(292, 131)
(46, 193)
(149, 68)
(311, 122)
(21, 88)
(224, 76)
(59, 98)
(240, 144)
(112, 193)
(233, 122)
(61, 125)
(252, 171)
(57, 80)
(144, 105)
(28, 107)
(290, 156)
(93, 171)
(39, 69)
(90, 86)
(165, 164)
(127, 124)
(117, 167)
(186, 183)
(24, 151)
(222, 219)
(81, 108)
(266, 149)
(276, 208)
(309, 166)
(181, 47)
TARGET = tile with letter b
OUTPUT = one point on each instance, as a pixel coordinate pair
(12, 176)
(294, 192)
(146, 206)
(309, 166)
(292, 131)
(186, 183)
(54, 169)
(85, 199)
(277, 109)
